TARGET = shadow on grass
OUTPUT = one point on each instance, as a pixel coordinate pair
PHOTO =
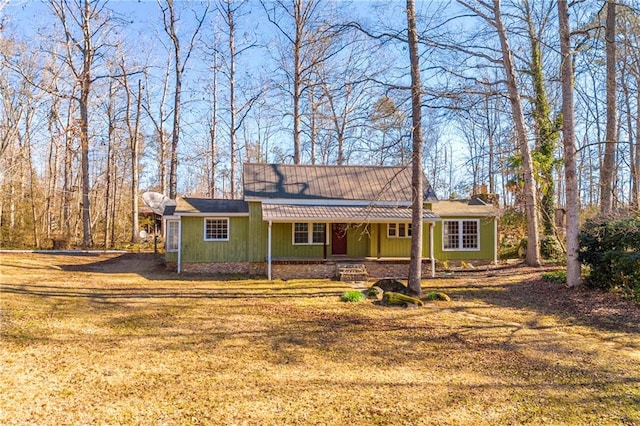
(173, 293)
(581, 305)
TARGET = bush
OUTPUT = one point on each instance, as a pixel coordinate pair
(437, 295)
(550, 248)
(610, 246)
(352, 296)
(559, 277)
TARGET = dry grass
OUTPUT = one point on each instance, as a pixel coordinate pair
(117, 340)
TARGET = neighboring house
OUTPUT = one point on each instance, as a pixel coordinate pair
(303, 220)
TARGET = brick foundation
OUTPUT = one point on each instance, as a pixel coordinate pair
(299, 269)
(215, 268)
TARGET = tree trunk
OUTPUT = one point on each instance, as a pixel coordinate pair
(533, 246)
(417, 208)
(571, 181)
(170, 29)
(232, 102)
(85, 90)
(297, 80)
(636, 179)
(135, 170)
(213, 142)
(608, 163)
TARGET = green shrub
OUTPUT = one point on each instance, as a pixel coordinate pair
(352, 296)
(610, 247)
(559, 277)
(550, 248)
(437, 295)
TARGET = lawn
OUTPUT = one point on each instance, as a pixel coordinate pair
(116, 339)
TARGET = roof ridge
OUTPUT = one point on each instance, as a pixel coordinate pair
(330, 165)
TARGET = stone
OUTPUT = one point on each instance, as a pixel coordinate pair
(390, 284)
(375, 293)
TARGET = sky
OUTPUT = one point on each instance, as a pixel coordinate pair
(145, 37)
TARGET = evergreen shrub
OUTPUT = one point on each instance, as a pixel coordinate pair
(610, 246)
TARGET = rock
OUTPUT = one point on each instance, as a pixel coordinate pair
(375, 292)
(398, 299)
(390, 284)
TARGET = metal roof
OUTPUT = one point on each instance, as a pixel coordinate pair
(474, 207)
(314, 182)
(346, 214)
(187, 206)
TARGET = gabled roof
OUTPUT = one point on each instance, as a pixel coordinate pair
(313, 182)
(462, 207)
(203, 206)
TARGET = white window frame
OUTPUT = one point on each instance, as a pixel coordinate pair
(172, 239)
(309, 241)
(219, 219)
(396, 227)
(461, 234)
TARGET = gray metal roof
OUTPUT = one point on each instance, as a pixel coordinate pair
(347, 214)
(208, 205)
(313, 182)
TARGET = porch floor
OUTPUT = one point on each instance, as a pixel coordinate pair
(344, 259)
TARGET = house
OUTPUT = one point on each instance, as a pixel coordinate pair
(305, 220)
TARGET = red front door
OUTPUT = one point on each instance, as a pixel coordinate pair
(338, 238)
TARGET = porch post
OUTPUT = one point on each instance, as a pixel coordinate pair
(433, 258)
(269, 252)
(179, 244)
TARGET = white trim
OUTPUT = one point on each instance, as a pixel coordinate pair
(204, 222)
(179, 246)
(212, 214)
(290, 219)
(269, 252)
(167, 225)
(406, 231)
(309, 234)
(460, 234)
(433, 258)
(324, 202)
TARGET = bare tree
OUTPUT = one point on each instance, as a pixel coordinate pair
(417, 190)
(301, 40)
(492, 14)
(133, 130)
(607, 171)
(170, 20)
(568, 131)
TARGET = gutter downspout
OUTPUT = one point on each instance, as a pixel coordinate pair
(179, 245)
(433, 259)
(269, 252)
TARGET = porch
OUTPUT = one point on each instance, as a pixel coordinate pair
(328, 235)
(375, 268)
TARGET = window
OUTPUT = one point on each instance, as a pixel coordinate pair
(318, 236)
(309, 233)
(216, 229)
(460, 235)
(399, 230)
(173, 230)
(300, 233)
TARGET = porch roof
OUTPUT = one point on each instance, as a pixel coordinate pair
(342, 214)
